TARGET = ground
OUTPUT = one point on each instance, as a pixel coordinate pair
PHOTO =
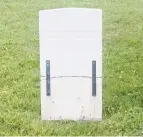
(122, 69)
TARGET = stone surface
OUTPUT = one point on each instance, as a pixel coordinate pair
(71, 38)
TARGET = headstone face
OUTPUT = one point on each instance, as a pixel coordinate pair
(71, 64)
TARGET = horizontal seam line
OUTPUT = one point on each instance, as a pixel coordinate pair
(71, 77)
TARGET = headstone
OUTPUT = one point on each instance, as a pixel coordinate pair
(71, 64)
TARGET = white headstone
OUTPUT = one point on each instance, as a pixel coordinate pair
(70, 44)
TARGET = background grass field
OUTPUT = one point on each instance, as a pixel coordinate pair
(122, 62)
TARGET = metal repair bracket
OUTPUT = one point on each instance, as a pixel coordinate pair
(93, 78)
(48, 86)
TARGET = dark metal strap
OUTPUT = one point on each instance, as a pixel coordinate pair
(93, 78)
(48, 86)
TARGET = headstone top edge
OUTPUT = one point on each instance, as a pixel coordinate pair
(71, 8)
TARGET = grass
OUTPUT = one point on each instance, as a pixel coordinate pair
(122, 62)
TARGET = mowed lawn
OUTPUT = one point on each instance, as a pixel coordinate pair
(122, 69)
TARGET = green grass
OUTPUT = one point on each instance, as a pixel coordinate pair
(122, 62)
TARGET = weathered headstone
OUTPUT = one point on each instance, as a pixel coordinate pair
(71, 64)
